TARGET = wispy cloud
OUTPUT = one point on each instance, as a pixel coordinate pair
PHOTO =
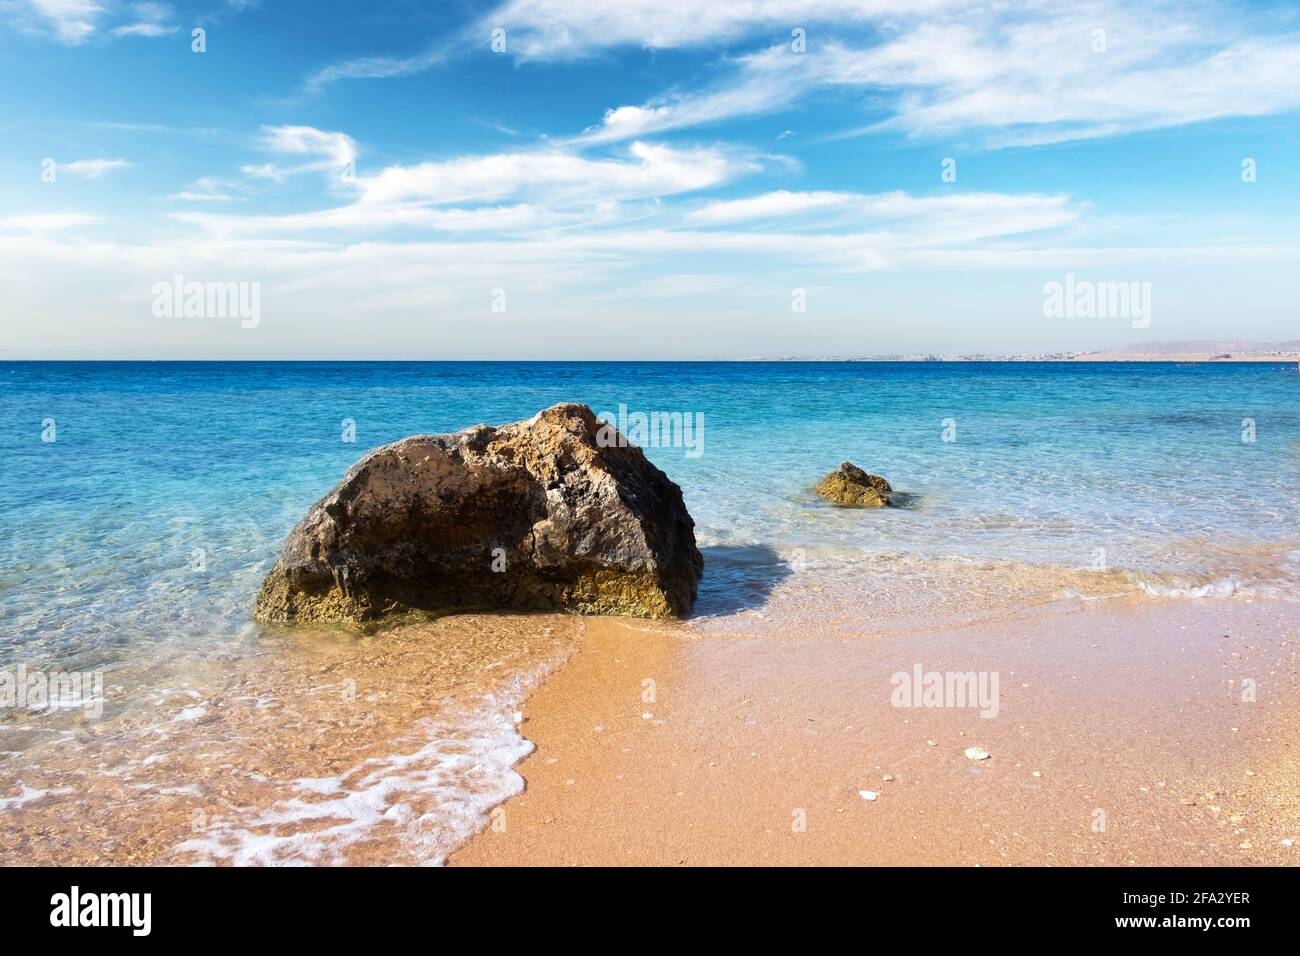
(575, 29)
(330, 152)
(47, 222)
(207, 189)
(505, 192)
(72, 21)
(93, 168)
(151, 20)
(1015, 74)
(645, 170)
(375, 68)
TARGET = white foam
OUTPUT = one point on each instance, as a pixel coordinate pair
(431, 798)
(1219, 588)
(28, 795)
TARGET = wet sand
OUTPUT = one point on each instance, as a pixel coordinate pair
(301, 747)
(1121, 737)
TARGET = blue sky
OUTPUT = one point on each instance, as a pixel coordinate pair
(642, 179)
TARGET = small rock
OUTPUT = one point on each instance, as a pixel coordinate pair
(850, 485)
(977, 753)
(889, 776)
(868, 794)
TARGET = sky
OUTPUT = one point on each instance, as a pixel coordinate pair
(646, 179)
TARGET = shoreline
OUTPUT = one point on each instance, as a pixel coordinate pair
(1123, 715)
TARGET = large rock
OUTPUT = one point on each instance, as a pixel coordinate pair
(535, 515)
(850, 485)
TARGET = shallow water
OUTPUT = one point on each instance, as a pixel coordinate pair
(132, 546)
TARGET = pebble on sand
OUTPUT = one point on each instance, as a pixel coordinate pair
(868, 794)
(977, 753)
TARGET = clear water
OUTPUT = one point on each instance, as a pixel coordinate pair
(1064, 481)
(1051, 462)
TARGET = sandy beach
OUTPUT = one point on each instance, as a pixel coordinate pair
(1131, 731)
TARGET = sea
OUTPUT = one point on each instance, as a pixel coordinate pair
(146, 718)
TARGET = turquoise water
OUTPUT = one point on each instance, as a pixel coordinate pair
(1136, 468)
(133, 544)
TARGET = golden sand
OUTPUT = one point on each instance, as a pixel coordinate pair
(1126, 733)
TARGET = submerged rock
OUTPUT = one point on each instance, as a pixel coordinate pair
(534, 515)
(850, 485)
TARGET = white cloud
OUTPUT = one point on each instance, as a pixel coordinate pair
(1028, 80)
(761, 91)
(507, 192)
(334, 153)
(374, 68)
(144, 30)
(344, 296)
(1019, 75)
(151, 21)
(47, 222)
(648, 170)
(92, 168)
(72, 21)
(206, 189)
(1002, 212)
(362, 216)
(555, 29)
(338, 148)
(576, 29)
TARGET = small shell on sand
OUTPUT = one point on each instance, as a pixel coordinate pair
(976, 753)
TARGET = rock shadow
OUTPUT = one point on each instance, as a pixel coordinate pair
(738, 578)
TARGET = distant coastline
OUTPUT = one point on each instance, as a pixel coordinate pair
(1202, 351)
(1280, 359)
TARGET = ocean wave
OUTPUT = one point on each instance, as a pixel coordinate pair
(760, 589)
(411, 807)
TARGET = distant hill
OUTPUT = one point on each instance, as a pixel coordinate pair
(1205, 350)
(1207, 347)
